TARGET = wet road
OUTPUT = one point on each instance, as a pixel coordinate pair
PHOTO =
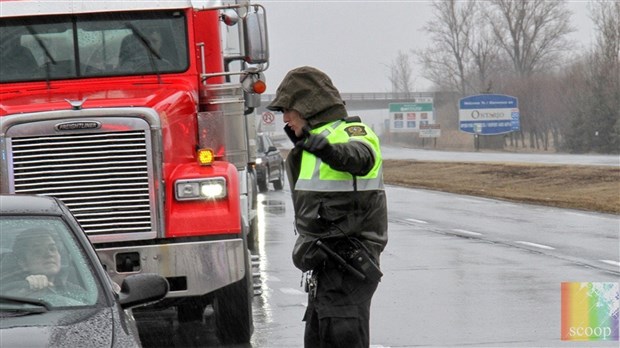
(459, 270)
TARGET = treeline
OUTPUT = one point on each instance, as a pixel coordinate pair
(569, 96)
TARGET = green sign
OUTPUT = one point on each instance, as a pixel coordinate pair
(409, 117)
(404, 107)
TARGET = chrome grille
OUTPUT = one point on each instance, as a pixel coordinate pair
(103, 178)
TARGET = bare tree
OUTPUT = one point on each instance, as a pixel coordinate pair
(605, 78)
(485, 56)
(593, 93)
(447, 60)
(531, 32)
(401, 74)
(606, 18)
(519, 47)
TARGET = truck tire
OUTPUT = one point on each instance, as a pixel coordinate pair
(233, 310)
(279, 184)
(262, 186)
(253, 235)
(253, 232)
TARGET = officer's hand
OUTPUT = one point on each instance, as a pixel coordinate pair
(316, 144)
(38, 282)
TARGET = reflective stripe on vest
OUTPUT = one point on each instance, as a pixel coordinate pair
(318, 176)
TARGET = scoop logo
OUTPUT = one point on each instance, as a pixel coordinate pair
(590, 311)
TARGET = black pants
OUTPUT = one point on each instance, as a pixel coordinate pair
(339, 314)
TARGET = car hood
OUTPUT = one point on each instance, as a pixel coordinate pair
(59, 328)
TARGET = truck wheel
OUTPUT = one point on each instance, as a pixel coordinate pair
(233, 310)
(262, 186)
(253, 235)
(279, 184)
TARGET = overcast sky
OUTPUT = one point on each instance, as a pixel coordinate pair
(355, 41)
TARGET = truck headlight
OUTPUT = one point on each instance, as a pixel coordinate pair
(196, 189)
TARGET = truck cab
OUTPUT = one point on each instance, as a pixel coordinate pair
(128, 113)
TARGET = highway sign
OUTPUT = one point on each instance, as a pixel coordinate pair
(488, 114)
(408, 117)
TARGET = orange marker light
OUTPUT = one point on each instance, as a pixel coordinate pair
(205, 157)
(259, 87)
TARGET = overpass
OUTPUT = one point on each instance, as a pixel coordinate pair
(377, 100)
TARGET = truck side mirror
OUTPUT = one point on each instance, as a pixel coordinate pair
(256, 43)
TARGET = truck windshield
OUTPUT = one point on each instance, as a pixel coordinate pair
(93, 45)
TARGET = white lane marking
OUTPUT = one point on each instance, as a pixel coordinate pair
(541, 246)
(458, 230)
(417, 221)
(610, 262)
(291, 291)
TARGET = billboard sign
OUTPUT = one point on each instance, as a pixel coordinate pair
(408, 117)
(430, 131)
(489, 114)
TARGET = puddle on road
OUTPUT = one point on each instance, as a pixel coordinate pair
(274, 206)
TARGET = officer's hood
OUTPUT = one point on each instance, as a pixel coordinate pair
(310, 92)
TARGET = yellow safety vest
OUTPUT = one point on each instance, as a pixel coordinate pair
(315, 175)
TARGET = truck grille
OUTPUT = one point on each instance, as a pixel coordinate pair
(103, 178)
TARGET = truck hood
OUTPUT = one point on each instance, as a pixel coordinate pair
(152, 95)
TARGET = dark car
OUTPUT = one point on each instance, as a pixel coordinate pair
(54, 291)
(269, 164)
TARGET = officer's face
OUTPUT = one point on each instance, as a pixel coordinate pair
(295, 121)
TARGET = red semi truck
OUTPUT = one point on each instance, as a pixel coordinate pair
(125, 111)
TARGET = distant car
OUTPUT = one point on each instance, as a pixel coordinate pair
(54, 291)
(269, 164)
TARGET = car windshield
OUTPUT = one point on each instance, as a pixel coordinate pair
(40, 260)
(93, 45)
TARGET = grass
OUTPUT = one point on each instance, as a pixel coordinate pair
(591, 188)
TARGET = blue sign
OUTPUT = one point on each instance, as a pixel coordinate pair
(488, 114)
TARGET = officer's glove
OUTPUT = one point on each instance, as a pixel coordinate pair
(317, 145)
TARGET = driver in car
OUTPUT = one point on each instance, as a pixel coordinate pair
(39, 266)
(38, 255)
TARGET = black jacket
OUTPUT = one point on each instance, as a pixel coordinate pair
(361, 214)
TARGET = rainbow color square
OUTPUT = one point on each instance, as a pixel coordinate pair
(590, 311)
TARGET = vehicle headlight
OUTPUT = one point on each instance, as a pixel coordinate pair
(259, 160)
(196, 189)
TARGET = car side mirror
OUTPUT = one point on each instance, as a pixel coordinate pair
(141, 289)
(272, 148)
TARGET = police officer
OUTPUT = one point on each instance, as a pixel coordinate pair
(335, 173)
